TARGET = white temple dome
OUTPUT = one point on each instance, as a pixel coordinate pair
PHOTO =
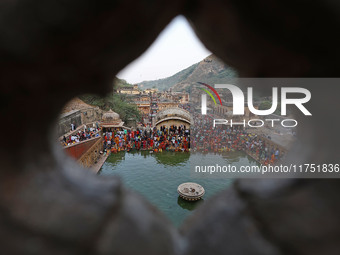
(110, 116)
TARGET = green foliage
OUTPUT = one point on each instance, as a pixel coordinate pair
(116, 102)
(265, 105)
(120, 83)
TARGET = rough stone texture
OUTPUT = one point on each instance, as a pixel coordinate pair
(78, 150)
(92, 155)
(52, 51)
(301, 217)
(223, 226)
(270, 38)
(64, 124)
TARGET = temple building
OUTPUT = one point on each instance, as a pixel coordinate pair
(173, 116)
(111, 121)
(134, 90)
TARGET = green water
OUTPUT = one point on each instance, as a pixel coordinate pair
(157, 176)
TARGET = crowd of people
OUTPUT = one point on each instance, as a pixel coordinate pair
(221, 138)
(201, 136)
(81, 135)
(174, 138)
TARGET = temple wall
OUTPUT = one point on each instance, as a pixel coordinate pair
(90, 157)
(65, 121)
(171, 122)
(78, 117)
(91, 115)
(77, 150)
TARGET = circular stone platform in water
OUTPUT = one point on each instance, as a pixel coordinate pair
(190, 191)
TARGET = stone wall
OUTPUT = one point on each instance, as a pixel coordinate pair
(66, 119)
(91, 115)
(77, 150)
(86, 116)
(91, 156)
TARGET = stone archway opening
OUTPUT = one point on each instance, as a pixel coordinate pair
(88, 137)
(57, 51)
(86, 112)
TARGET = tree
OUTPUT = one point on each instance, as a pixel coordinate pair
(116, 102)
(265, 105)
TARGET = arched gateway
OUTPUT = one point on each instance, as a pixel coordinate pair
(173, 116)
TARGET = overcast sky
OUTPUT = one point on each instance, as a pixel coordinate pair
(175, 49)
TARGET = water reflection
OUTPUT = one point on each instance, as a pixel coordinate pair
(231, 157)
(115, 159)
(156, 176)
(164, 158)
(236, 157)
(189, 205)
(176, 158)
(172, 158)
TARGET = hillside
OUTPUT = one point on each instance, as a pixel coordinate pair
(211, 70)
(166, 83)
(116, 102)
(120, 83)
(86, 101)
